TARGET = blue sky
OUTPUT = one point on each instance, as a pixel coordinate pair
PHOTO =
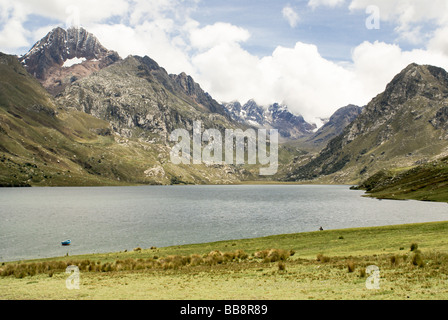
(313, 55)
(334, 30)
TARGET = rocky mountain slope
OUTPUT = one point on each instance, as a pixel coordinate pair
(140, 99)
(275, 116)
(332, 128)
(402, 127)
(44, 143)
(64, 56)
(335, 125)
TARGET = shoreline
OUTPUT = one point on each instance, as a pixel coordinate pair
(320, 265)
(226, 242)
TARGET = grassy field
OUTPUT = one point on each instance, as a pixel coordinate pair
(412, 259)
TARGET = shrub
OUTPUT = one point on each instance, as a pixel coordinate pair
(394, 260)
(351, 266)
(273, 255)
(19, 273)
(281, 266)
(214, 257)
(362, 273)
(196, 260)
(229, 256)
(322, 258)
(414, 246)
(240, 254)
(417, 260)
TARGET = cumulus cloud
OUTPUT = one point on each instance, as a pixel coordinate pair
(301, 78)
(13, 35)
(291, 16)
(216, 34)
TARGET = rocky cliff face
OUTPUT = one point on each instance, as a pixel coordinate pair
(140, 99)
(193, 90)
(64, 56)
(401, 127)
(276, 116)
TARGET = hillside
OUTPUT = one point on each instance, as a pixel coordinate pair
(402, 127)
(42, 143)
(428, 182)
(138, 98)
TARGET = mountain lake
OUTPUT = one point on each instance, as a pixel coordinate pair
(34, 221)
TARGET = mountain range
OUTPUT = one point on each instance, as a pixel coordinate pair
(75, 113)
(275, 116)
(402, 127)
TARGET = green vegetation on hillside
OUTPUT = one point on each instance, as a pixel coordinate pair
(427, 182)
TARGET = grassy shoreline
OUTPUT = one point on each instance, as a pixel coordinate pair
(315, 265)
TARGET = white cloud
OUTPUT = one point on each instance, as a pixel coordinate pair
(439, 41)
(406, 12)
(149, 39)
(13, 36)
(375, 64)
(216, 34)
(328, 3)
(89, 11)
(409, 16)
(301, 78)
(12, 33)
(295, 76)
(291, 16)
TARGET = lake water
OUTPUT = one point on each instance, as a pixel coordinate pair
(34, 221)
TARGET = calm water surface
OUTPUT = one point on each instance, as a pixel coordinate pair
(34, 221)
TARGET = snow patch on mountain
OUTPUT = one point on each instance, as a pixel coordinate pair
(71, 62)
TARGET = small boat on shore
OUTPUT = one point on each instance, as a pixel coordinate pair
(66, 242)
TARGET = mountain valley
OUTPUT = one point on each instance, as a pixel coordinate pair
(75, 113)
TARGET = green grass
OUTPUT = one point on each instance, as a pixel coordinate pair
(427, 182)
(316, 265)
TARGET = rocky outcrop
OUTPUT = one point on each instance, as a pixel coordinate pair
(64, 56)
(440, 121)
(138, 98)
(193, 90)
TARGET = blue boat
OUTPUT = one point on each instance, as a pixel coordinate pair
(66, 242)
